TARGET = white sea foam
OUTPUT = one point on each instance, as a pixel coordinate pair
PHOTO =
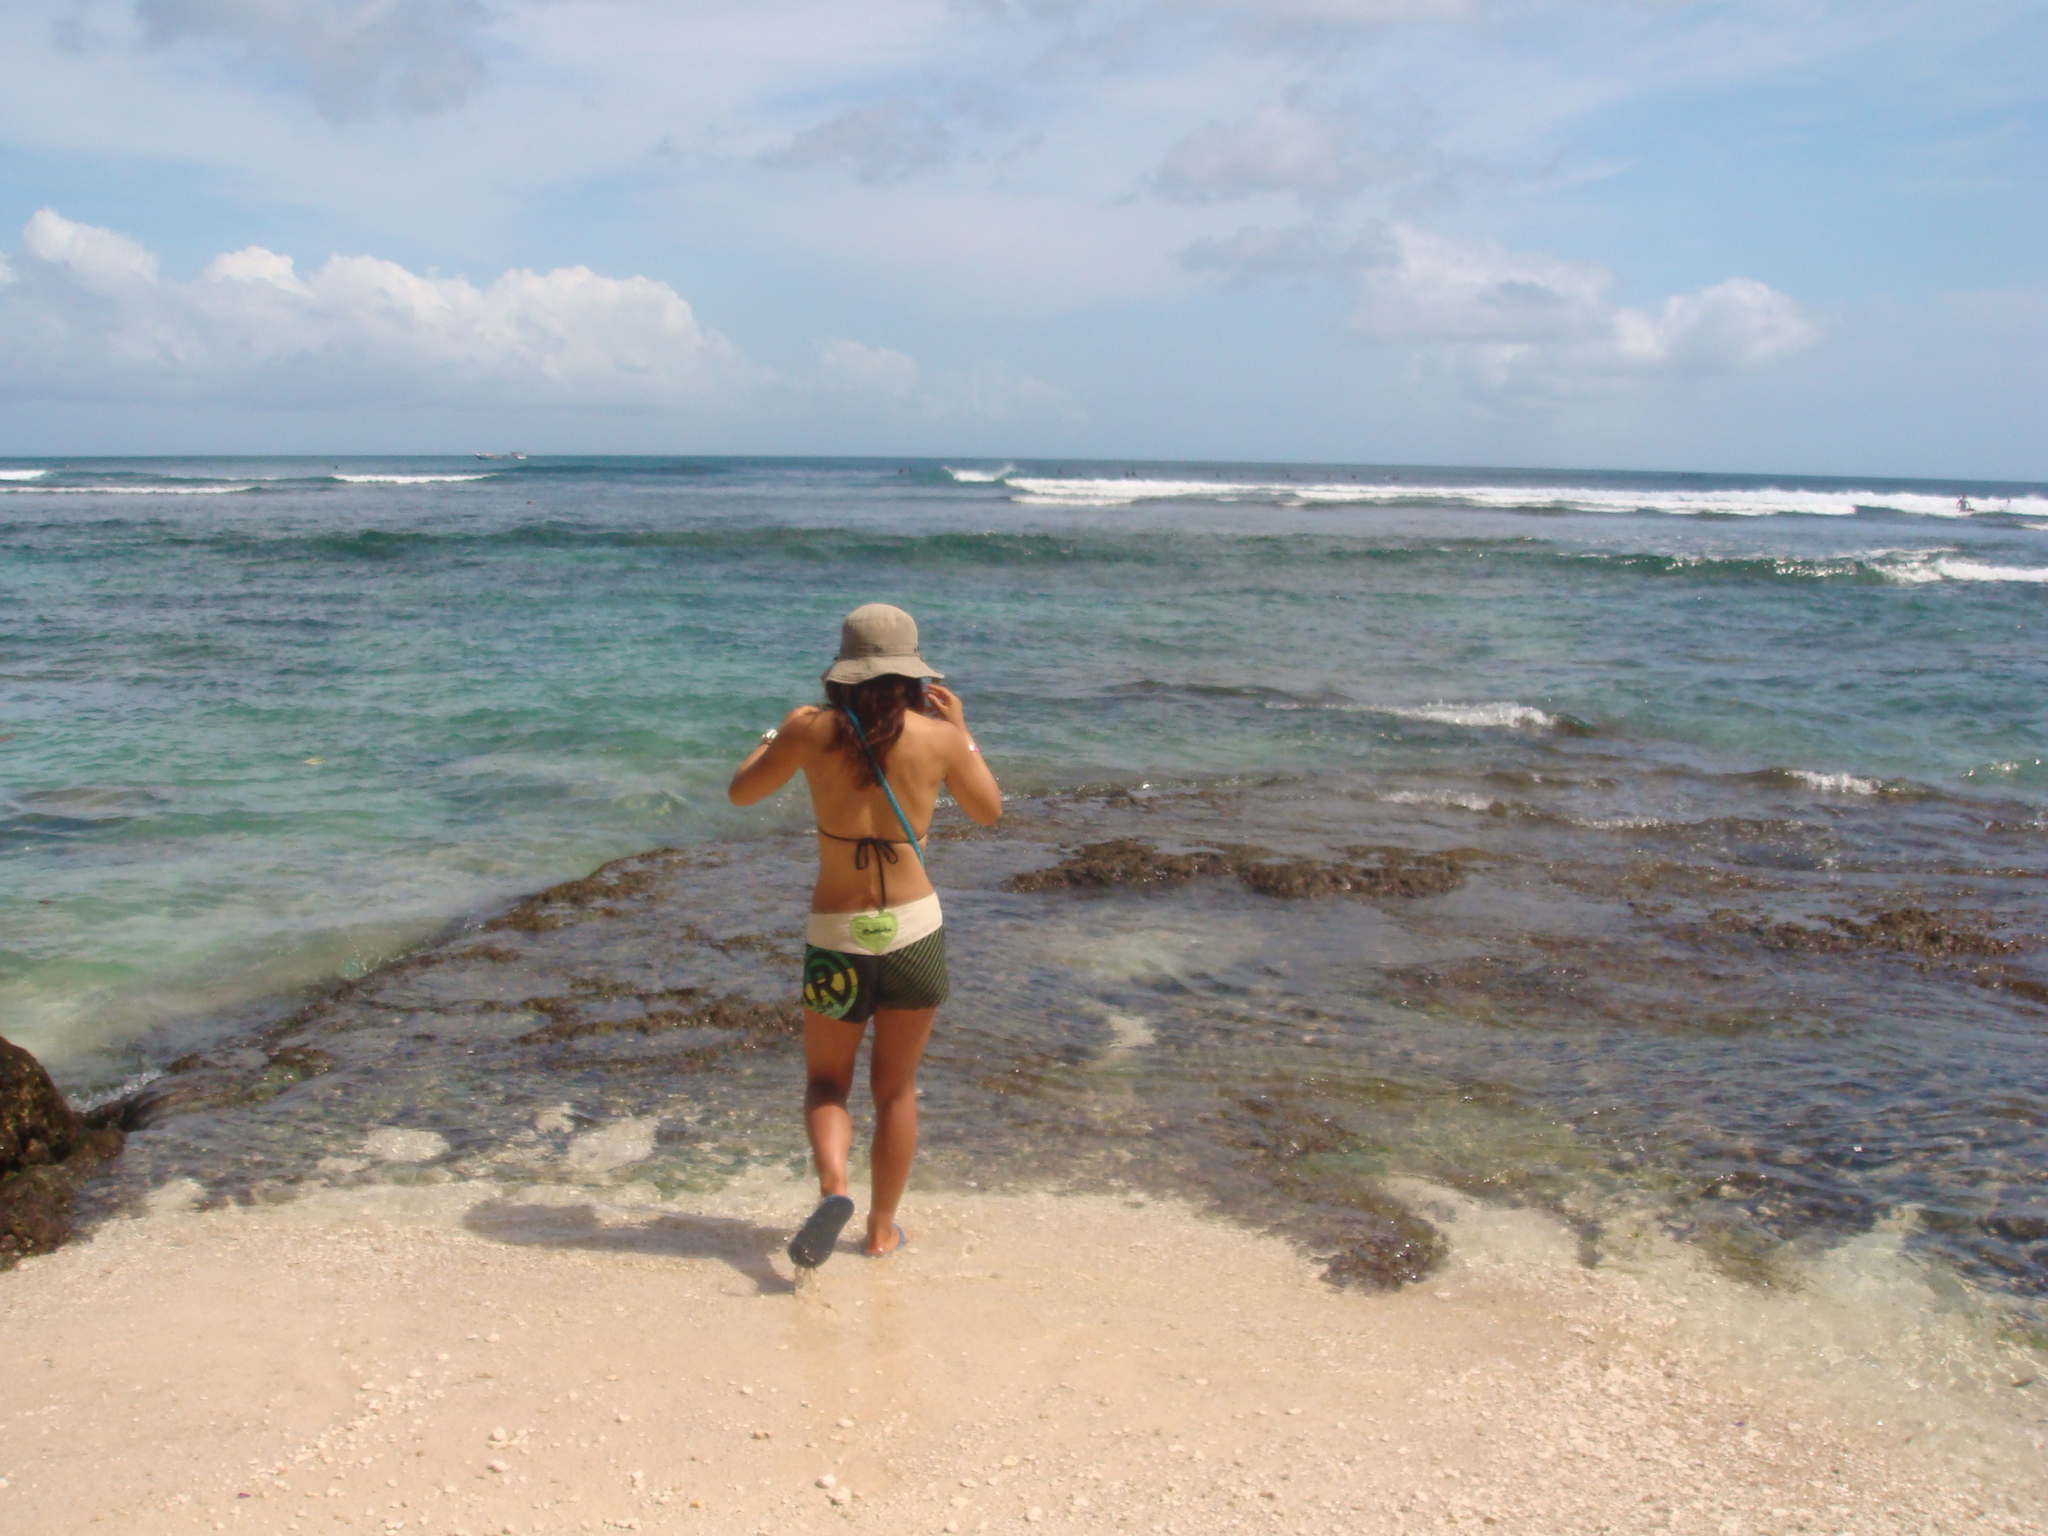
(408, 479)
(1447, 799)
(1764, 502)
(980, 476)
(1916, 570)
(133, 1083)
(123, 490)
(1976, 570)
(22, 474)
(1836, 783)
(1505, 715)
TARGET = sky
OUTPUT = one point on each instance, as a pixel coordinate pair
(1779, 236)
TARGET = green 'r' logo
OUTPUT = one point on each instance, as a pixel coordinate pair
(830, 985)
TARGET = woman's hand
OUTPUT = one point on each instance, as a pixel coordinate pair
(945, 704)
(973, 787)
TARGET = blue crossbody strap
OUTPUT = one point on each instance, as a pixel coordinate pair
(860, 735)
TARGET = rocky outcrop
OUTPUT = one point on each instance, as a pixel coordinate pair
(1367, 871)
(1899, 931)
(45, 1150)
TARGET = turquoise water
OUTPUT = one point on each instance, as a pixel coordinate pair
(267, 721)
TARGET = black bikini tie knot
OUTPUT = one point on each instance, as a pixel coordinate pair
(879, 851)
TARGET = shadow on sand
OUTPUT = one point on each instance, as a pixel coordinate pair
(742, 1245)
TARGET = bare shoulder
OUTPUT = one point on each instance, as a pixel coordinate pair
(808, 724)
(940, 738)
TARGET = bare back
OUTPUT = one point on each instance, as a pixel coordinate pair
(917, 770)
(931, 756)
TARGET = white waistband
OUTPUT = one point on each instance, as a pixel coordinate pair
(914, 920)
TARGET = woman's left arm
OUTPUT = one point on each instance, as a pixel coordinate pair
(770, 765)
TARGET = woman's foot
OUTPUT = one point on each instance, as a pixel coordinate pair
(887, 1243)
(813, 1242)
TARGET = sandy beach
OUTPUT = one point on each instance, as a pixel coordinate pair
(463, 1357)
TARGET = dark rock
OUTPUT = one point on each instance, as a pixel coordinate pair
(604, 889)
(1395, 872)
(2021, 1227)
(2005, 979)
(1130, 861)
(1386, 1250)
(45, 1153)
(36, 1126)
(1379, 1242)
(1292, 879)
(734, 1011)
(1123, 861)
(35, 1211)
(1901, 930)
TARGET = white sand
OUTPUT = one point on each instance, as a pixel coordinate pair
(469, 1359)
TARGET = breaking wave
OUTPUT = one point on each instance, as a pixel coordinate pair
(1942, 567)
(407, 479)
(1674, 501)
(1501, 716)
(125, 490)
(1835, 783)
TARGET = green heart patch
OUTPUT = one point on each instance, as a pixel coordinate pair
(873, 931)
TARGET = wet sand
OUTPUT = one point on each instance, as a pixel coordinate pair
(483, 1357)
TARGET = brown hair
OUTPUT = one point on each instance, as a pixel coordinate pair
(880, 703)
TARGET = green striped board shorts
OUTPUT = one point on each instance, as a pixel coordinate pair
(852, 986)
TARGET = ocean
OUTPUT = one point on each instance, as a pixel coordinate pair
(1650, 848)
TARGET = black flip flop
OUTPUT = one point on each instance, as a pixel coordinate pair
(813, 1242)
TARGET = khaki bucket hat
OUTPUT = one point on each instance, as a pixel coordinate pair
(875, 641)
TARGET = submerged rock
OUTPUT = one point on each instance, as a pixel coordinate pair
(1900, 930)
(195, 1083)
(1367, 871)
(1123, 861)
(45, 1151)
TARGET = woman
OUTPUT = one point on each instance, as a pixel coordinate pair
(875, 758)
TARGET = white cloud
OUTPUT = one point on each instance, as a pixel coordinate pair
(354, 56)
(89, 317)
(1516, 326)
(853, 367)
(98, 260)
(1425, 287)
(86, 315)
(1734, 324)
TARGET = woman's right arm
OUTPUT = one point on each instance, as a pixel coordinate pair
(770, 765)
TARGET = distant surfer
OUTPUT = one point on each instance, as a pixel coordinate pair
(875, 756)
(1963, 504)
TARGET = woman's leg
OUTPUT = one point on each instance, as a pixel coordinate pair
(900, 1038)
(830, 1046)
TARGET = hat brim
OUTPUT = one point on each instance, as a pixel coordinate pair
(862, 669)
